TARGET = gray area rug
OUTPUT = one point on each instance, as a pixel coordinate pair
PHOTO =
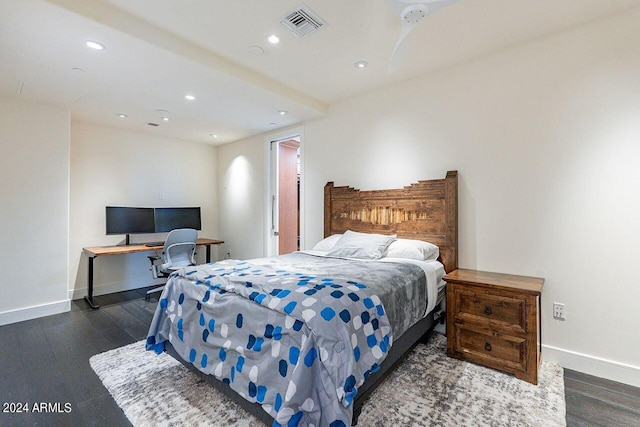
(427, 389)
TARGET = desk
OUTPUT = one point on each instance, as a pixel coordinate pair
(96, 251)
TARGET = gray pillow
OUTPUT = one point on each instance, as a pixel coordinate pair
(327, 243)
(362, 245)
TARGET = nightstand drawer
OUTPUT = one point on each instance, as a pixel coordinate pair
(487, 345)
(499, 310)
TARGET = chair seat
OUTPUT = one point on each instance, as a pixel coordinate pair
(178, 252)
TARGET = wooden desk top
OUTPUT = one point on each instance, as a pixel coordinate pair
(95, 251)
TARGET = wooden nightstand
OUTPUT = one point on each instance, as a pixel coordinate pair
(494, 319)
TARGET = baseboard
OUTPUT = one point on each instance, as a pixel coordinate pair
(596, 366)
(34, 312)
(110, 288)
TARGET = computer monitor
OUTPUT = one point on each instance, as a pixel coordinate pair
(167, 219)
(129, 220)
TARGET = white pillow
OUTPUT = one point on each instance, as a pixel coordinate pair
(327, 243)
(362, 245)
(413, 249)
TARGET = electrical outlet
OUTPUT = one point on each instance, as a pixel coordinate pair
(558, 311)
(228, 253)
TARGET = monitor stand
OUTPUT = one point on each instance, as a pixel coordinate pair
(127, 240)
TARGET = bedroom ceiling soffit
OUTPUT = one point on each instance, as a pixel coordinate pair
(44, 60)
(117, 19)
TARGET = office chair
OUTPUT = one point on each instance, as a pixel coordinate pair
(178, 251)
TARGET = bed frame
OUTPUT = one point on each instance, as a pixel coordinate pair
(427, 210)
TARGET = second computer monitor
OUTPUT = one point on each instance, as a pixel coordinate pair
(167, 219)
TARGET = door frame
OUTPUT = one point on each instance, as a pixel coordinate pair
(271, 174)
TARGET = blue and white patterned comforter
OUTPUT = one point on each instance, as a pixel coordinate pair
(300, 344)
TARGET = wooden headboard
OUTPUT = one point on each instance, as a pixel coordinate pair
(426, 211)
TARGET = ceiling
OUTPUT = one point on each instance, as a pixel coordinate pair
(158, 51)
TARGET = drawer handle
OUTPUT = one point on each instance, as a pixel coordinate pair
(487, 310)
(487, 346)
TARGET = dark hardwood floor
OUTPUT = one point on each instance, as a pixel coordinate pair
(593, 401)
(47, 360)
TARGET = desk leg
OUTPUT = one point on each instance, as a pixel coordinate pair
(89, 296)
(208, 258)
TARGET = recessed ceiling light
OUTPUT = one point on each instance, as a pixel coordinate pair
(272, 124)
(361, 64)
(190, 97)
(95, 45)
(78, 69)
(273, 39)
(162, 111)
(166, 119)
(282, 112)
(213, 135)
(122, 115)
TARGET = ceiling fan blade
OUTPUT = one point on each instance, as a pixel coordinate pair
(405, 29)
(411, 12)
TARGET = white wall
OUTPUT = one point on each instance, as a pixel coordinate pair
(34, 207)
(242, 170)
(116, 167)
(545, 139)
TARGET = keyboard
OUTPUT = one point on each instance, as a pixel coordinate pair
(151, 244)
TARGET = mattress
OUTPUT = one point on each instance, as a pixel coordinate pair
(298, 333)
(356, 269)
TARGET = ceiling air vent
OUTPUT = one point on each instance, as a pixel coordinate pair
(302, 21)
(153, 124)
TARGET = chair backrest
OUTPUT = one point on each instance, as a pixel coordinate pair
(179, 248)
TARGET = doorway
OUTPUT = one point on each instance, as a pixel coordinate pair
(288, 196)
(285, 195)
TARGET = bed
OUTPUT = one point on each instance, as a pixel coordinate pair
(304, 338)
